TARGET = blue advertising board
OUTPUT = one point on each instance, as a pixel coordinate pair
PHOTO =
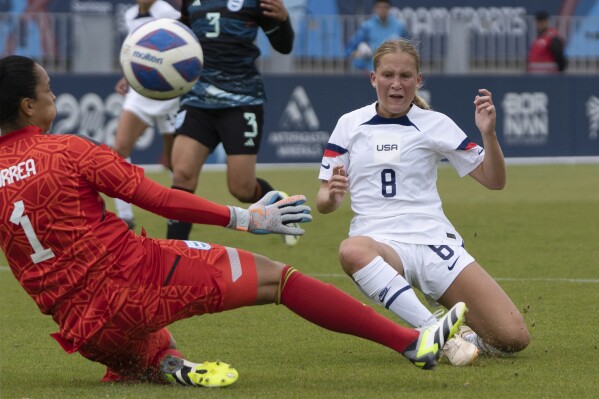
(537, 116)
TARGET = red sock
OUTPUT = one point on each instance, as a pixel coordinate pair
(331, 308)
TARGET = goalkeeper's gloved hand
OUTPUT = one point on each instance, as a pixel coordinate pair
(272, 214)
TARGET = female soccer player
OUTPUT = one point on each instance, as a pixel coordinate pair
(112, 292)
(226, 105)
(386, 156)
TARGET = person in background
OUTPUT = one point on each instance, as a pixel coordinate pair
(226, 105)
(140, 112)
(386, 155)
(33, 33)
(546, 53)
(382, 25)
(112, 292)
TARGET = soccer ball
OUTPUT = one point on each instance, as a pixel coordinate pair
(161, 59)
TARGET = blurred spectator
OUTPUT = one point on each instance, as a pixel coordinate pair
(31, 34)
(372, 33)
(546, 54)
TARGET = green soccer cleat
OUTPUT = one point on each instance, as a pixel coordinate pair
(426, 350)
(288, 239)
(208, 374)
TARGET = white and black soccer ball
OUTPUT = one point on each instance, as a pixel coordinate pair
(161, 59)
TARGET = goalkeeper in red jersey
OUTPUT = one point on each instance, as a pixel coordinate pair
(111, 292)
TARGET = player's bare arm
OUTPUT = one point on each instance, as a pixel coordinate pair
(331, 192)
(491, 172)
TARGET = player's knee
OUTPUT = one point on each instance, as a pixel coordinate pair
(519, 339)
(269, 276)
(351, 256)
(514, 338)
(182, 177)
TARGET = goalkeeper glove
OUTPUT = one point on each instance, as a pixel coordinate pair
(272, 214)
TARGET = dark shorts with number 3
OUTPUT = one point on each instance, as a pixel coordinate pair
(239, 128)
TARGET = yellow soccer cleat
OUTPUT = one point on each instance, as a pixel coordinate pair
(426, 350)
(208, 374)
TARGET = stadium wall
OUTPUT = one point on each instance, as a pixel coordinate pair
(538, 116)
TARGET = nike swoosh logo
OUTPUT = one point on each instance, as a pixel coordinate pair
(327, 166)
(453, 264)
(480, 151)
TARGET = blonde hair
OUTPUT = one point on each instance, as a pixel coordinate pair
(401, 46)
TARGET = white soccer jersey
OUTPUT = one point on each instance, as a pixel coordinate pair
(160, 9)
(392, 166)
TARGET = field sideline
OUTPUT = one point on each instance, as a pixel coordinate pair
(539, 237)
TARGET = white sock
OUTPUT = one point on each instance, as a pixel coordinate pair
(124, 209)
(482, 346)
(384, 285)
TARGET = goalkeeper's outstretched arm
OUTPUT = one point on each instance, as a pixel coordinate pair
(272, 214)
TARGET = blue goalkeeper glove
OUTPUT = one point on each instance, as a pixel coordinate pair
(272, 214)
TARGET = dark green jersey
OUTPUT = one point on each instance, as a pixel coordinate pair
(227, 31)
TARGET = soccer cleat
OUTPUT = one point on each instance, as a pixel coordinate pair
(460, 352)
(464, 331)
(426, 350)
(288, 239)
(208, 374)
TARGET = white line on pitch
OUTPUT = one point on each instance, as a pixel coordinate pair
(539, 279)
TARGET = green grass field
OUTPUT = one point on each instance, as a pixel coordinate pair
(539, 237)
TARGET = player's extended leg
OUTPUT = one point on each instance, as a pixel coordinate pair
(331, 308)
(492, 314)
(188, 157)
(129, 129)
(377, 270)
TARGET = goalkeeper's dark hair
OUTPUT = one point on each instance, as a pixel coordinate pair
(17, 81)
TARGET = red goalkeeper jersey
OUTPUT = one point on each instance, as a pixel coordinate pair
(56, 233)
(74, 258)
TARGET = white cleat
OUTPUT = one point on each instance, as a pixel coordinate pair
(460, 352)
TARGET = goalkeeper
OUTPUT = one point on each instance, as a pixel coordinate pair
(112, 292)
